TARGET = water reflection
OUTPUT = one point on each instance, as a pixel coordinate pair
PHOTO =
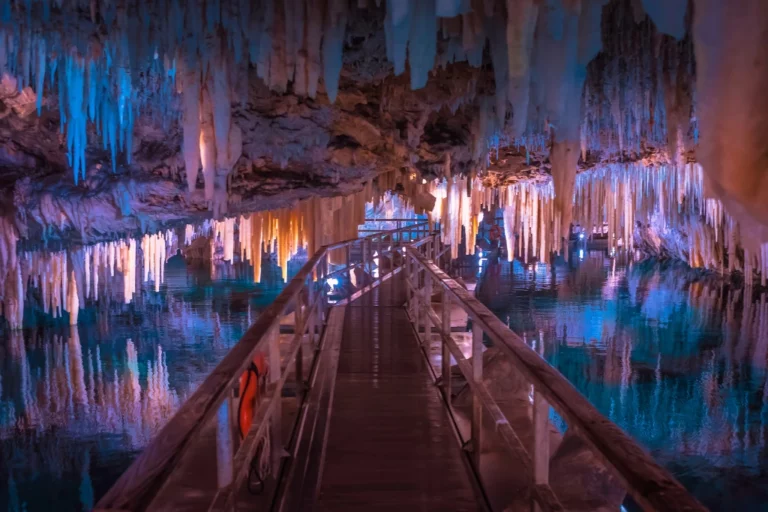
(78, 402)
(676, 358)
(100, 344)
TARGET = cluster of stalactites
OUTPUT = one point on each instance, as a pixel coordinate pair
(123, 61)
(529, 216)
(639, 91)
(530, 224)
(93, 86)
(285, 232)
(666, 198)
(68, 280)
(211, 138)
(458, 203)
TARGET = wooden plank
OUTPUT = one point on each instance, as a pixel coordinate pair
(391, 444)
(136, 487)
(650, 485)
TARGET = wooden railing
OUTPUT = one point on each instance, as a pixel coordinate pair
(306, 298)
(216, 401)
(651, 486)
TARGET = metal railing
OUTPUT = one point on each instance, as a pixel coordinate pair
(394, 223)
(213, 406)
(651, 486)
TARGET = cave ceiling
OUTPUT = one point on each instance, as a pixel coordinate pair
(118, 116)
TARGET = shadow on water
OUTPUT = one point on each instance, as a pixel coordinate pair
(675, 357)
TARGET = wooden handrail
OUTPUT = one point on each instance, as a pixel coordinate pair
(544, 495)
(651, 486)
(140, 483)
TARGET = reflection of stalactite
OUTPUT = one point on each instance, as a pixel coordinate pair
(699, 400)
(71, 394)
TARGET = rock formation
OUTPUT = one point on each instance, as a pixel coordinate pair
(124, 117)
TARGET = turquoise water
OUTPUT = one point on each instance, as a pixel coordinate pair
(677, 359)
(77, 404)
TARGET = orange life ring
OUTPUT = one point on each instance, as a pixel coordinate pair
(495, 232)
(252, 383)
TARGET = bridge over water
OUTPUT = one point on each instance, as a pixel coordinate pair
(378, 391)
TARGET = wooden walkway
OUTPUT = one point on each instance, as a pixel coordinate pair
(390, 444)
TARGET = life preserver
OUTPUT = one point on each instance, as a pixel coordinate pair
(495, 233)
(252, 383)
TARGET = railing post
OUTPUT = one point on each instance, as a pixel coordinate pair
(301, 317)
(366, 248)
(323, 304)
(407, 272)
(349, 263)
(426, 309)
(311, 298)
(381, 255)
(477, 407)
(275, 431)
(224, 446)
(540, 441)
(416, 282)
(446, 351)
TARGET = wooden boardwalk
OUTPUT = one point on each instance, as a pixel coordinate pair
(351, 418)
(390, 443)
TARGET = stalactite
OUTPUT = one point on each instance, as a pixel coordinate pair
(669, 200)
(135, 68)
(191, 125)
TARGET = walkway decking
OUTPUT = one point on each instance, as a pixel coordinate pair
(391, 445)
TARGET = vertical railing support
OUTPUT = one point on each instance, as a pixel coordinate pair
(381, 256)
(477, 406)
(224, 446)
(446, 358)
(311, 298)
(425, 311)
(540, 441)
(302, 311)
(416, 282)
(275, 432)
(407, 272)
(348, 250)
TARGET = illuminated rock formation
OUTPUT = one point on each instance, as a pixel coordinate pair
(171, 111)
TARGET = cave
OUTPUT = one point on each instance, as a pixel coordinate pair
(588, 172)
